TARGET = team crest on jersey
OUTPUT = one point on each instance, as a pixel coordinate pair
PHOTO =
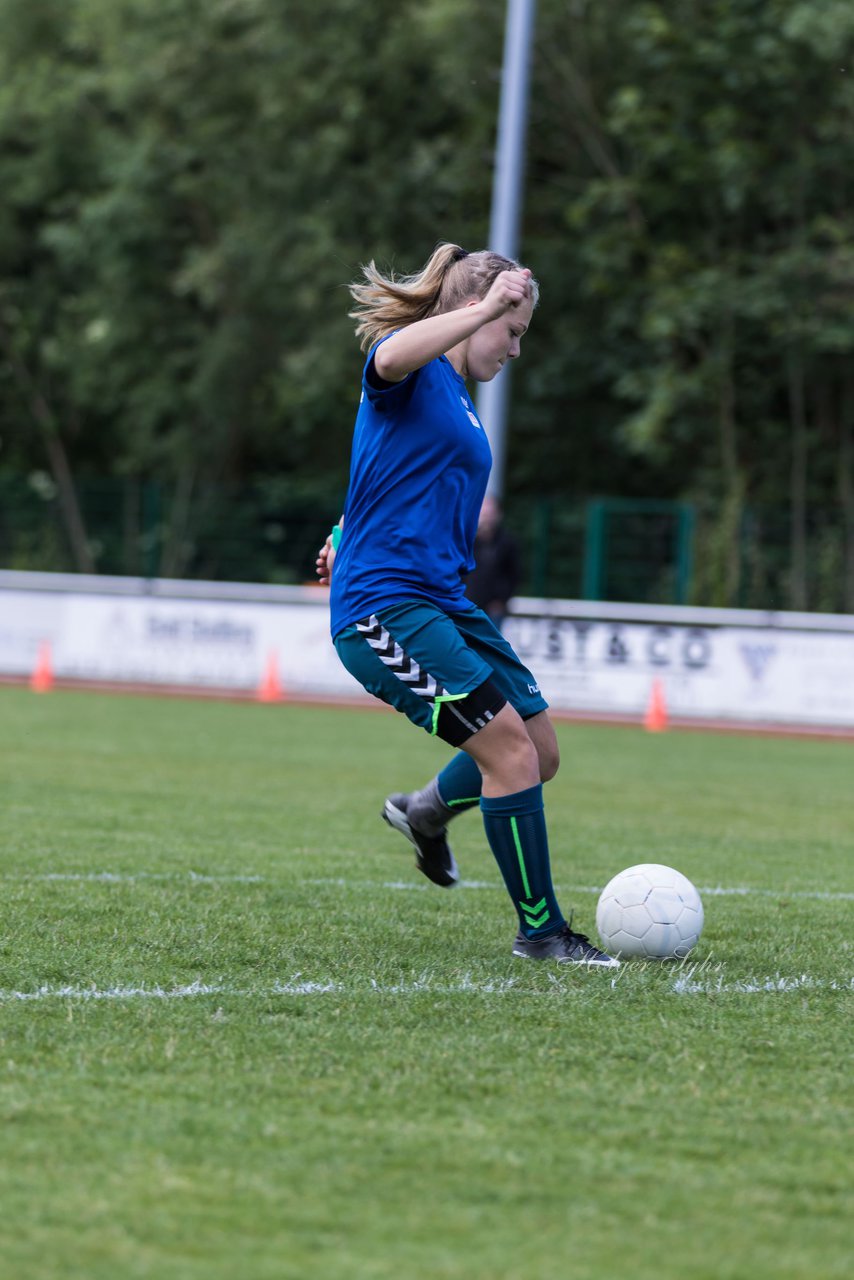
(468, 410)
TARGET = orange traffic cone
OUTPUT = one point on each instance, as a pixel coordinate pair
(655, 720)
(270, 688)
(41, 681)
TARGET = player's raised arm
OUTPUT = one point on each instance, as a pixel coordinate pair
(417, 344)
(436, 310)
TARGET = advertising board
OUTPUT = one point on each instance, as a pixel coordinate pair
(589, 657)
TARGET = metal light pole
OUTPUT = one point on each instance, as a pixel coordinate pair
(506, 202)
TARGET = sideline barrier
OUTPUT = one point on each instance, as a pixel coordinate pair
(737, 666)
(747, 668)
(215, 637)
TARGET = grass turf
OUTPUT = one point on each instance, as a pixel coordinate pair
(241, 1037)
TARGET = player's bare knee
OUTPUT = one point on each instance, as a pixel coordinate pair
(549, 757)
(524, 754)
(519, 753)
(504, 748)
(541, 732)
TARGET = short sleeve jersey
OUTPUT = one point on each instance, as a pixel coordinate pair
(418, 472)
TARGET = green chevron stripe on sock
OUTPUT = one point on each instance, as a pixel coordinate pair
(514, 827)
(536, 914)
(468, 801)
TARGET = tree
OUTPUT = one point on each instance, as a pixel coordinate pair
(190, 186)
(713, 241)
(232, 164)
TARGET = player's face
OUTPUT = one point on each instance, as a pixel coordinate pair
(491, 346)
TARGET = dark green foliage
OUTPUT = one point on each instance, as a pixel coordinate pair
(188, 187)
(702, 167)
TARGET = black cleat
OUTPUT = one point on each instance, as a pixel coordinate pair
(432, 853)
(565, 947)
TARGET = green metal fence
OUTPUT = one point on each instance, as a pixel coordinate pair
(656, 552)
(638, 550)
(266, 532)
(604, 549)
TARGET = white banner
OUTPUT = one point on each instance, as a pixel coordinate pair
(751, 674)
(188, 643)
(601, 659)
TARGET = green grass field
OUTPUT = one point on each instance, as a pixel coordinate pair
(243, 1039)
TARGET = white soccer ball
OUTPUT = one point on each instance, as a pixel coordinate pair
(649, 911)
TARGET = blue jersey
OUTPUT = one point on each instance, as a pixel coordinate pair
(418, 474)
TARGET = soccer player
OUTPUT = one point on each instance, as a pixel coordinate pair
(401, 622)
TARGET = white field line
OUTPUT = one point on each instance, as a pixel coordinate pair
(684, 985)
(723, 891)
(687, 986)
(708, 891)
(404, 886)
(132, 877)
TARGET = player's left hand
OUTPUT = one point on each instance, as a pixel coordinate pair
(324, 562)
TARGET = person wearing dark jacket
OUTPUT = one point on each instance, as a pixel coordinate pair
(495, 577)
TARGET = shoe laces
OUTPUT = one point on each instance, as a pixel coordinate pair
(576, 937)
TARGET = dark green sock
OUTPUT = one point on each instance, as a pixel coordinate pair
(460, 783)
(454, 790)
(516, 830)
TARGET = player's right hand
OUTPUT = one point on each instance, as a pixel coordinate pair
(507, 290)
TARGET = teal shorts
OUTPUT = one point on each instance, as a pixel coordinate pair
(425, 663)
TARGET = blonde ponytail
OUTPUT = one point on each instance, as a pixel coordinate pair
(448, 280)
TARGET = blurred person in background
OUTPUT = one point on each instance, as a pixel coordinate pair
(495, 577)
